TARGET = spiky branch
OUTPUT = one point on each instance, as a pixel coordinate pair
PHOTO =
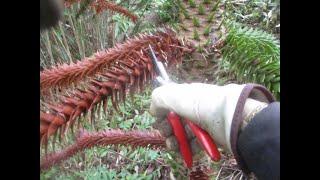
(64, 75)
(100, 5)
(128, 74)
(87, 140)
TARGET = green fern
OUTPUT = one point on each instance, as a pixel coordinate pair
(254, 56)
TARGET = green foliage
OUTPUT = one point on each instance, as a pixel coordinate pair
(215, 7)
(192, 4)
(168, 11)
(200, 49)
(207, 1)
(208, 42)
(264, 14)
(186, 14)
(196, 35)
(201, 10)
(183, 27)
(183, 9)
(120, 162)
(195, 22)
(207, 30)
(210, 18)
(75, 38)
(254, 56)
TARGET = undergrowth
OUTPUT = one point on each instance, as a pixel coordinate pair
(263, 14)
(169, 11)
(120, 162)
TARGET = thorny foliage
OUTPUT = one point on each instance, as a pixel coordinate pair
(87, 140)
(128, 71)
(134, 48)
(127, 75)
(101, 5)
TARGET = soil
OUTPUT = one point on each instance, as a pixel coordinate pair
(201, 65)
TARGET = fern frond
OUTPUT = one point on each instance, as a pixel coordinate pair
(254, 56)
(87, 140)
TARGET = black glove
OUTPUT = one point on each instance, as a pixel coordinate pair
(259, 143)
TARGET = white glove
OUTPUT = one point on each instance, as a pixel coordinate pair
(209, 106)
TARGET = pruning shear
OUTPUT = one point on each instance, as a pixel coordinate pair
(203, 137)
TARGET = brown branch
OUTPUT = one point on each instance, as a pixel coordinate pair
(64, 75)
(128, 74)
(101, 5)
(87, 140)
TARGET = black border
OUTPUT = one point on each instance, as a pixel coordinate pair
(20, 89)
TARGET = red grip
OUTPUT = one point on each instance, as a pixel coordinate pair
(180, 134)
(205, 140)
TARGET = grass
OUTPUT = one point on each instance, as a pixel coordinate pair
(195, 22)
(192, 3)
(208, 42)
(183, 27)
(200, 49)
(207, 30)
(207, 1)
(196, 35)
(210, 18)
(215, 7)
(186, 14)
(201, 10)
(120, 162)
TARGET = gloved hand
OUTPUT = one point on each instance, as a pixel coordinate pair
(209, 106)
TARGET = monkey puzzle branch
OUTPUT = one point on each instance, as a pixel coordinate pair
(100, 5)
(65, 74)
(129, 70)
(87, 140)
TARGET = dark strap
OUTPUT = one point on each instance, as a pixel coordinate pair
(253, 91)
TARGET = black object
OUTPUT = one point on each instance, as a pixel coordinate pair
(50, 13)
(259, 143)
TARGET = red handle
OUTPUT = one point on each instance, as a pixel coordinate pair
(205, 140)
(180, 134)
